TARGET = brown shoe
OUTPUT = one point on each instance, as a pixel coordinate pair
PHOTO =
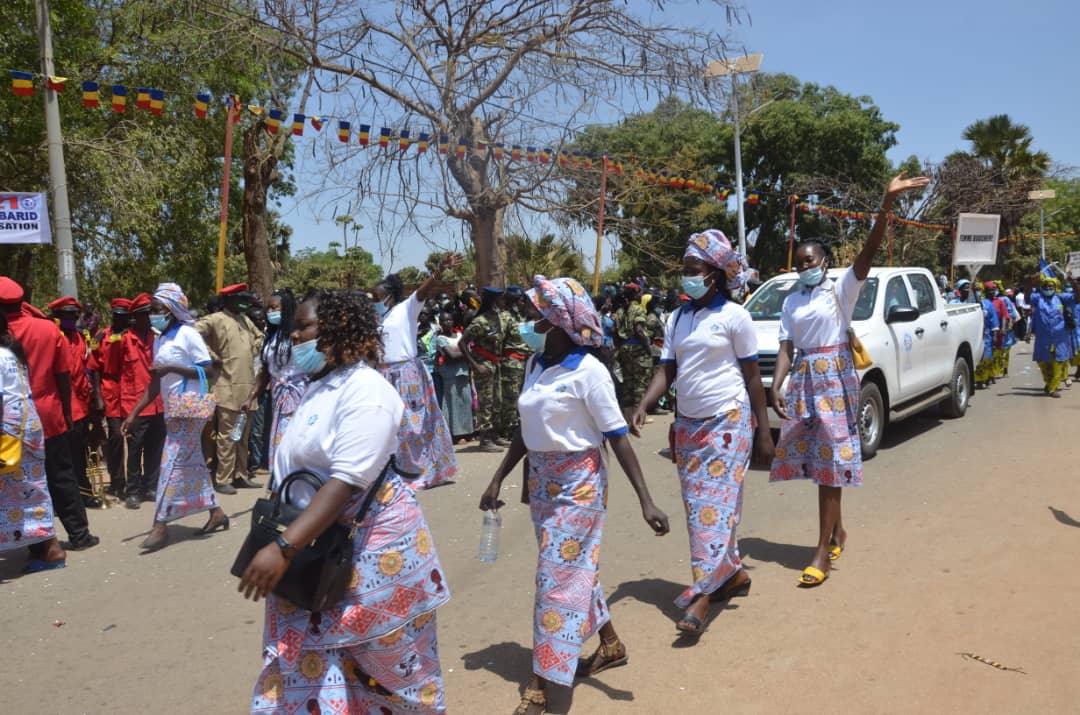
(533, 702)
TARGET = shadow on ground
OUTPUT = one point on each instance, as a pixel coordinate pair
(1063, 518)
(790, 556)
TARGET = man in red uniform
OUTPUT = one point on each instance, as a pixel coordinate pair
(146, 438)
(106, 363)
(50, 384)
(65, 311)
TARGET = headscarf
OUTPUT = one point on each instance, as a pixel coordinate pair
(170, 295)
(714, 248)
(564, 303)
(645, 300)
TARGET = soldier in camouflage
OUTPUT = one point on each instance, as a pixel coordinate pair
(512, 367)
(634, 353)
(482, 346)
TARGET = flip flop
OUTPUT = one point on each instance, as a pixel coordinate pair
(690, 625)
(39, 565)
(812, 577)
(834, 552)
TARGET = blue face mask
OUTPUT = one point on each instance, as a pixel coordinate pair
(307, 357)
(380, 308)
(159, 322)
(533, 339)
(1047, 292)
(694, 286)
(274, 317)
(812, 277)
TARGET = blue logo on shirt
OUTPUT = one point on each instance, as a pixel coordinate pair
(312, 420)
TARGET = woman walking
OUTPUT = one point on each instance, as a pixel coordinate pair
(710, 356)
(369, 653)
(287, 382)
(181, 364)
(819, 437)
(568, 410)
(1053, 339)
(425, 447)
(26, 512)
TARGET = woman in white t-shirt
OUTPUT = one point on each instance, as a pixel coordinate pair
(425, 445)
(710, 356)
(181, 364)
(376, 650)
(819, 436)
(568, 410)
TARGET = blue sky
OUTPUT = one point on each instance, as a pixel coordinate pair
(932, 67)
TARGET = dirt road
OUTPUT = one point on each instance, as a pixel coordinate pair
(964, 540)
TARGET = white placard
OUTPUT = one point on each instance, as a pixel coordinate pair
(1072, 265)
(976, 240)
(24, 218)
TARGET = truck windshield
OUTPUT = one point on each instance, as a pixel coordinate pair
(767, 302)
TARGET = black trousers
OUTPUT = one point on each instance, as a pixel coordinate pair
(114, 455)
(77, 436)
(64, 488)
(144, 445)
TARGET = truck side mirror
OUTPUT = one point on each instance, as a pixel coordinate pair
(902, 314)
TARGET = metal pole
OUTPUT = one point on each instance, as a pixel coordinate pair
(1042, 234)
(229, 121)
(65, 254)
(791, 233)
(738, 168)
(600, 226)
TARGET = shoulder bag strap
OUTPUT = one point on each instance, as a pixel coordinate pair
(371, 492)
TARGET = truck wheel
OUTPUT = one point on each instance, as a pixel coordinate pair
(959, 391)
(871, 418)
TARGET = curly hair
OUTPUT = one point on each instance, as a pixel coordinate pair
(348, 329)
(393, 287)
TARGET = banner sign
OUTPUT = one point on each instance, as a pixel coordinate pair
(24, 218)
(1072, 265)
(976, 240)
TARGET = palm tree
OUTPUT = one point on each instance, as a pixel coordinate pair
(1006, 148)
(546, 256)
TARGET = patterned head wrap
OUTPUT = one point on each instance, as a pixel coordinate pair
(170, 295)
(714, 248)
(564, 303)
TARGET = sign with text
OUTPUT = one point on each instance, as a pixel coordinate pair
(24, 218)
(976, 240)
(1072, 265)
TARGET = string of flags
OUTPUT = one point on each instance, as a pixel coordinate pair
(1059, 234)
(823, 210)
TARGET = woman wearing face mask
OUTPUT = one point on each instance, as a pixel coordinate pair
(819, 436)
(184, 485)
(710, 355)
(568, 410)
(1053, 343)
(279, 367)
(369, 653)
(425, 446)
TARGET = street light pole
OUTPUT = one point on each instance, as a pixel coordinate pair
(1041, 196)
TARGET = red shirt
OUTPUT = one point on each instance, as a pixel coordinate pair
(78, 353)
(137, 355)
(47, 355)
(108, 361)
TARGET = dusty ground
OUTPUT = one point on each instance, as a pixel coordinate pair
(963, 540)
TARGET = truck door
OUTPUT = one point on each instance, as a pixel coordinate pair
(931, 331)
(909, 366)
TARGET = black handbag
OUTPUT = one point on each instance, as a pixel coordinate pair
(319, 573)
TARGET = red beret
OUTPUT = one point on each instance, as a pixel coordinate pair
(990, 285)
(140, 302)
(120, 305)
(684, 296)
(10, 291)
(65, 303)
(632, 286)
(234, 289)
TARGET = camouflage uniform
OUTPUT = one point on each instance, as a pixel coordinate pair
(655, 330)
(511, 372)
(634, 357)
(485, 333)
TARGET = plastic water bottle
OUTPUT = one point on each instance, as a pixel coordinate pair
(238, 428)
(489, 536)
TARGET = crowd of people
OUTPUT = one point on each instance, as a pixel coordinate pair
(369, 391)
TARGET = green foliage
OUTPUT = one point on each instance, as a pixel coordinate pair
(547, 256)
(309, 269)
(1006, 147)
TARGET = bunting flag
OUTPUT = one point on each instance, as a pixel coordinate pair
(22, 83)
(142, 98)
(202, 103)
(422, 144)
(564, 158)
(233, 108)
(545, 156)
(384, 137)
(365, 132)
(444, 144)
(298, 125)
(575, 158)
(588, 161)
(55, 83)
(618, 168)
(481, 148)
(515, 153)
(343, 132)
(530, 154)
(119, 98)
(273, 120)
(157, 102)
(255, 109)
(90, 95)
(500, 151)
(462, 146)
(753, 198)
(403, 140)
(317, 123)
(724, 194)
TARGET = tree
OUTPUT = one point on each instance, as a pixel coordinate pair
(308, 269)
(1006, 148)
(547, 256)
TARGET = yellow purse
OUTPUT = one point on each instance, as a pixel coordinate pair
(859, 354)
(11, 445)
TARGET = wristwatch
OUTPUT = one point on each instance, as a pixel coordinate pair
(287, 549)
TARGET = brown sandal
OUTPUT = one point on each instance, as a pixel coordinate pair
(607, 655)
(533, 702)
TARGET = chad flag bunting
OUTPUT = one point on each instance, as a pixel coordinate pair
(202, 102)
(462, 146)
(55, 83)
(119, 98)
(545, 156)
(90, 95)
(317, 123)
(515, 153)
(142, 98)
(481, 148)
(403, 140)
(422, 145)
(298, 125)
(22, 83)
(157, 101)
(444, 143)
(273, 120)
(530, 154)
(343, 132)
(500, 149)
(384, 137)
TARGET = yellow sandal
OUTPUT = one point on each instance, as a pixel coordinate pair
(812, 577)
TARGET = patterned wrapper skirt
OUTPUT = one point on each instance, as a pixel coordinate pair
(821, 440)
(712, 456)
(426, 447)
(185, 486)
(376, 651)
(286, 394)
(567, 499)
(26, 513)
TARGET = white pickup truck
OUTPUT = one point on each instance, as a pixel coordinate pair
(924, 351)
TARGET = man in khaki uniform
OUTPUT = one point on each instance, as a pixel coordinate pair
(233, 341)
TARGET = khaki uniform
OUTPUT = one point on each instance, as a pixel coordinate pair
(635, 357)
(511, 372)
(485, 337)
